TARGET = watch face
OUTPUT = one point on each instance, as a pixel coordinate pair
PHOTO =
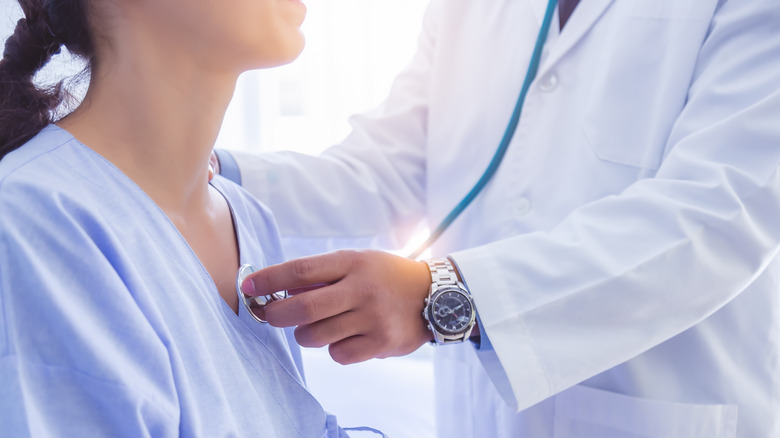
(451, 311)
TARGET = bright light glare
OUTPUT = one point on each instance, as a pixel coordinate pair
(354, 48)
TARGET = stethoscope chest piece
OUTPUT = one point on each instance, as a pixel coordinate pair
(252, 304)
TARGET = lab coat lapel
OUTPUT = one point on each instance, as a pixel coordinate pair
(583, 18)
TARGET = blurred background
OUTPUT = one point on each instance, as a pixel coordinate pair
(354, 49)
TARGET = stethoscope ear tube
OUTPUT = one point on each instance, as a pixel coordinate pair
(530, 75)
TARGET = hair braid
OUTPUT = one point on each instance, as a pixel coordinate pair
(25, 108)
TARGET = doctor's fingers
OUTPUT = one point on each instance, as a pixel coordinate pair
(371, 330)
(308, 307)
(330, 330)
(299, 273)
(352, 339)
(364, 347)
(352, 350)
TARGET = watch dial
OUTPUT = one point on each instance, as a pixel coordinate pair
(451, 312)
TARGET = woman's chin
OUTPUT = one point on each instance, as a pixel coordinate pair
(296, 48)
(286, 54)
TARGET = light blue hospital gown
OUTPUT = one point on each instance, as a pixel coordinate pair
(112, 327)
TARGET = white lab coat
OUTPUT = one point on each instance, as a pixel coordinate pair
(624, 258)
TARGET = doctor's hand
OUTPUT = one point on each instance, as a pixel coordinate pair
(363, 304)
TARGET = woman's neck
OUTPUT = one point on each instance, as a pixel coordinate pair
(155, 114)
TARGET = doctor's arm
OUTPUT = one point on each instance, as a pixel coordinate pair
(655, 260)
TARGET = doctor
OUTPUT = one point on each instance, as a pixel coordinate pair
(623, 261)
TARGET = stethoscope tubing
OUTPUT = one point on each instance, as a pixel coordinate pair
(530, 75)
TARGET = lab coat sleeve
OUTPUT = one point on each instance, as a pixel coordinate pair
(369, 190)
(77, 358)
(622, 274)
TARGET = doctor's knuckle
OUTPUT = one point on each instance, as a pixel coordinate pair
(308, 309)
(369, 291)
(303, 268)
(347, 258)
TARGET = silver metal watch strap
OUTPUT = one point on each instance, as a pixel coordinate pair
(442, 271)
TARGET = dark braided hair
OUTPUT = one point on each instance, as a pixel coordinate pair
(25, 109)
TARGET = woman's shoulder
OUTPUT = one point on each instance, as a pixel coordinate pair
(45, 161)
(51, 179)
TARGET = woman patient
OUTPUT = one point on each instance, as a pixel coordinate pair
(120, 315)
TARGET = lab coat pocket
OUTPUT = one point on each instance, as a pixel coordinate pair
(582, 412)
(645, 55)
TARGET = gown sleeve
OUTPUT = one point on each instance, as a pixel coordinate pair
(77, 356)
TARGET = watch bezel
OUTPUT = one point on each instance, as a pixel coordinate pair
(435, 295)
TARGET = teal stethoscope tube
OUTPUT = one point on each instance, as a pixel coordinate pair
(530, 75)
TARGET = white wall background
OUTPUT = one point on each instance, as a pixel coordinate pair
(354, 49)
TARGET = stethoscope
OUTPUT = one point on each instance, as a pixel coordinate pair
(533, 67)
(254, 304)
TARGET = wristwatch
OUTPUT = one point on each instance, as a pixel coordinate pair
(449, 309)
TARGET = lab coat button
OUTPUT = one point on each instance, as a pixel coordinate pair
(522, 206)
(549, 83)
